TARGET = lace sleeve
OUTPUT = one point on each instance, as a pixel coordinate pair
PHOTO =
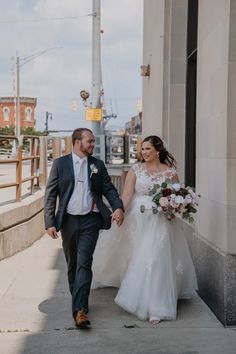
(135, 168)
(171, 174)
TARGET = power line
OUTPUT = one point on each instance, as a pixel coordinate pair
(44, 19)
(36, 55)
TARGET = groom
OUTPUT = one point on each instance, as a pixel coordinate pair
(79, 181)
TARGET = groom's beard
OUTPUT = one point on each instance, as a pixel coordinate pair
(86, 150)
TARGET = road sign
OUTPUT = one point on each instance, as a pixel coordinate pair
(94, 114)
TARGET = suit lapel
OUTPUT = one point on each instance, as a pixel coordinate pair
(89, 171)
(71, 167)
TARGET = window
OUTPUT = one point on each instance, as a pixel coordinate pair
(28, 114)
(6, 114)
(191, 86)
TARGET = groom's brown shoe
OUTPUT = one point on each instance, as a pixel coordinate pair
(81, 320)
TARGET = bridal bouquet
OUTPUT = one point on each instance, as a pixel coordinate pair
(173, 200)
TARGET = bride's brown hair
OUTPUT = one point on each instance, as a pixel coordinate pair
(164, 156)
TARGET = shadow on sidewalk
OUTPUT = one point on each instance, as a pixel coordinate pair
(58, 334)
(57, 309)
(113, 330)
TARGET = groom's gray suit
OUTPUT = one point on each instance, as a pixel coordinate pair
(79, 232)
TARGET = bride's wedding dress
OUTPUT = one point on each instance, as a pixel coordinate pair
(147, 258)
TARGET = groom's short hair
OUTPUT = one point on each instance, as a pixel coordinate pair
(78, 134)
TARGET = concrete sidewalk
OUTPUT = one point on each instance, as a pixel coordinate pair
(35, 315)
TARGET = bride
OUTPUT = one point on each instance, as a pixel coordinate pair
(147, 257)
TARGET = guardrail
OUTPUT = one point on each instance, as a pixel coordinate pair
(118, 174)
(36, 153)
(18, 158)
(5, 152)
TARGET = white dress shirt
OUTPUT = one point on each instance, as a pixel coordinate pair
(73, 207)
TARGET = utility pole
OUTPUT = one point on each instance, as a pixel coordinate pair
(96, 64)
(48, 115)
(18, 122)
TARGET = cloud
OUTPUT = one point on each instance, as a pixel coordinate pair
(57, 76)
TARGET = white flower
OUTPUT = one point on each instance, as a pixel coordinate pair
(193, 194)
(179, 199)
(188, 199)
(176, 186)
(93, 169)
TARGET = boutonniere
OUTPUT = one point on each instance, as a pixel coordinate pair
(93, 169)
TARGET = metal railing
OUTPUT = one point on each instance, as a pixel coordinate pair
(34, 149)
(118, 174)
(30, 154)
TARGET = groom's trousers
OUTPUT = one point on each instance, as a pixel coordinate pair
(79, 235)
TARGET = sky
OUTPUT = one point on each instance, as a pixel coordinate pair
(57, 76)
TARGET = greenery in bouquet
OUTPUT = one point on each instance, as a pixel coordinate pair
(172, 199)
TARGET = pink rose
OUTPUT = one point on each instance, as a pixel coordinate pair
(163, 202)
(173, 204)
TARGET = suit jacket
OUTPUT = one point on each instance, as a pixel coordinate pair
(61, 184)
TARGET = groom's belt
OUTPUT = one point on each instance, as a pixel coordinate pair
(76, 215)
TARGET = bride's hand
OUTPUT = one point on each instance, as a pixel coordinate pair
(118, 216)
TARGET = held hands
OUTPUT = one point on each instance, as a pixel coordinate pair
(118, 216)
(52, 232)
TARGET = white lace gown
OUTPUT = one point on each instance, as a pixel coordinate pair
(147, 258)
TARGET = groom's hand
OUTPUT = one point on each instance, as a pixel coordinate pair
(118, 216)
(52, 232)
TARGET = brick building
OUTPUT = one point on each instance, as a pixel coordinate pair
(8, 112)
(134, 126)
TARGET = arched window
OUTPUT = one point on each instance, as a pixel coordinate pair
(28, 112)
(6, 114)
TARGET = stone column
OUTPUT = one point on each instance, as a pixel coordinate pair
(215, 244)
(174, 80)
(153, 55)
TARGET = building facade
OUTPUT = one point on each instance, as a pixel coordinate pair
(134, 126)
(189, 97)
(8, 112)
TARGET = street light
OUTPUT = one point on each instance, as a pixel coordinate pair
(107, 117)
(84, 95)
(48, 116)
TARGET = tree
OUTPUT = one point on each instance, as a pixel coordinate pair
(31, 131)
(10, 131)
(6, 143)
(7, 130)
(24, 131)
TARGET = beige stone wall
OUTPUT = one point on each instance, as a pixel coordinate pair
(212, 121)
(174, 79)
(231, 133)
(153, 55)
(213, 239)
(21, 224)
(165, 35)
